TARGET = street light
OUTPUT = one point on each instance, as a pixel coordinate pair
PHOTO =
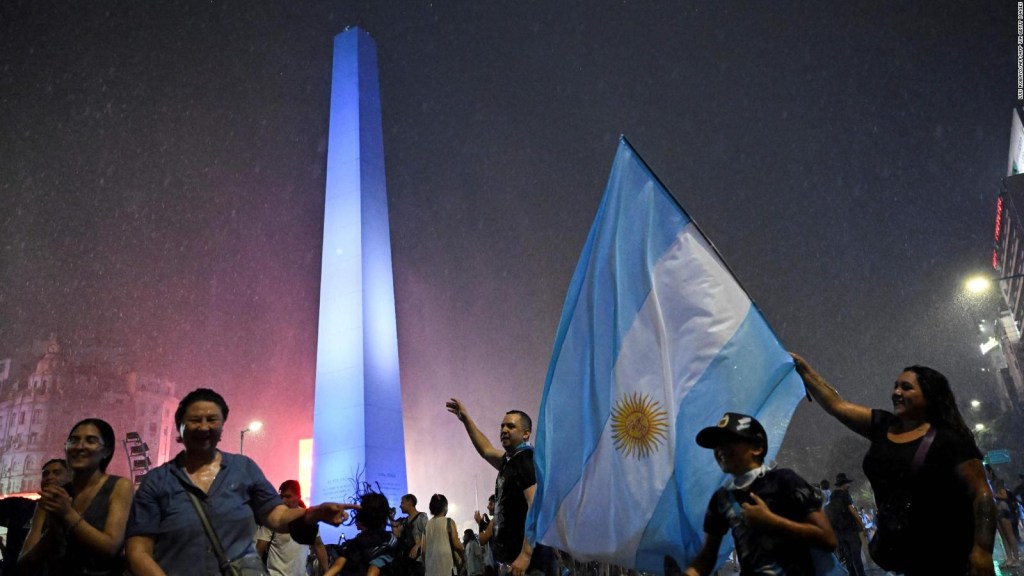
(975, 404)
(979, 427)
(253, 426)
(980, 283)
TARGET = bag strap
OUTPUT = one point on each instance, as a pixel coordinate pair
(448, 535)
(218, 549)
(922, 449)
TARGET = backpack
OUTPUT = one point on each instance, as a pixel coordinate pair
(408, 540)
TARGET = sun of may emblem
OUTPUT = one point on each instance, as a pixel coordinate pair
(639, 425)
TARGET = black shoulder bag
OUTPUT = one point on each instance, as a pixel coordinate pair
(245, 566)
(888, 546)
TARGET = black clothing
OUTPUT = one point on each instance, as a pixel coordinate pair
(847, 531)
(70, 556)
(515, 476)
(366, 547)
(941, 516)
(838, 512)
(759, 551)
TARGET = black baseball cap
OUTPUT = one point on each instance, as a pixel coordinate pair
(733, 426)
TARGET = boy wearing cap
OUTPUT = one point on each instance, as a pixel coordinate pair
(775, 516)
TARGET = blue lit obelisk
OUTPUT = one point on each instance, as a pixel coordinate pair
(357, 416)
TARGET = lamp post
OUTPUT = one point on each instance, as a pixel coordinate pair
(253, 426)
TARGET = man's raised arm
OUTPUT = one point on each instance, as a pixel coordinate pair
(483, 446)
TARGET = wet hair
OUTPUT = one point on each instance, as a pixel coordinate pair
(199, 395)
(292, 485)
(527, 422)
(410, 498)
(824, 485)
(373, 511)
(438, 503)
(60, 461)
(106, 435)
(941, 410)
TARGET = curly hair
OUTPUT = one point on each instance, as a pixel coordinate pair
(373, 511)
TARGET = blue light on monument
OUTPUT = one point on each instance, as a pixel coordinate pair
(357, 416)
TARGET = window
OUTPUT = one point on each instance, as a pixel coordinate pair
(21, 418)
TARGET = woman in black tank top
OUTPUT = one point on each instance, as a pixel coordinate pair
(78, 528)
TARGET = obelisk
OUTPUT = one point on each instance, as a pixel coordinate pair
(357, 417)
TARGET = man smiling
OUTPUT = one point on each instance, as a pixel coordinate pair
(513, 489)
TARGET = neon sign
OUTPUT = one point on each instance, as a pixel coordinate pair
(999, 216)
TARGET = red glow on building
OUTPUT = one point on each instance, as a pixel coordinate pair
(999, 216)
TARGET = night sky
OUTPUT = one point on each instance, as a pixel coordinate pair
(162, 168)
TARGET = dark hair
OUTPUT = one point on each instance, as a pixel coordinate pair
(493, 498)
(823, 485)
(410, 498)
(292, 485)
(527, 422)
(61, 461)
(373, 511)
(106, 434)
(199, 395)
(437, 504)
(942, 410)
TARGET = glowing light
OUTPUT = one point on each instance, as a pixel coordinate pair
(978, 284)
(975, 403)
(254, 426)
(979, 427)
(306, 465)
(989, 345)
(999, 217)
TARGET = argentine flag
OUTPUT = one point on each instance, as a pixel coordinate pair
(656, 341)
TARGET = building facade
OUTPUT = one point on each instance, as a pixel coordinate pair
(38, 408)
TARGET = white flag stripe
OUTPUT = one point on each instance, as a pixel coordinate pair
(690, 285)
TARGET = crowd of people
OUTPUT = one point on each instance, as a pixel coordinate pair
(209, 512)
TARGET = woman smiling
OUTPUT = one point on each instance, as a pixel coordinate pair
(936, 514)
(165, 531)
(83, 529)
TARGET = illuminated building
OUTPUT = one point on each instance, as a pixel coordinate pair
(62, 387)
(1008, 261)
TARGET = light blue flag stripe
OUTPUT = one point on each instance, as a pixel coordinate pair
(637, 230)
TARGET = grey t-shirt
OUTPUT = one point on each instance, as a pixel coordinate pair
(285, 557)
(419, 530)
